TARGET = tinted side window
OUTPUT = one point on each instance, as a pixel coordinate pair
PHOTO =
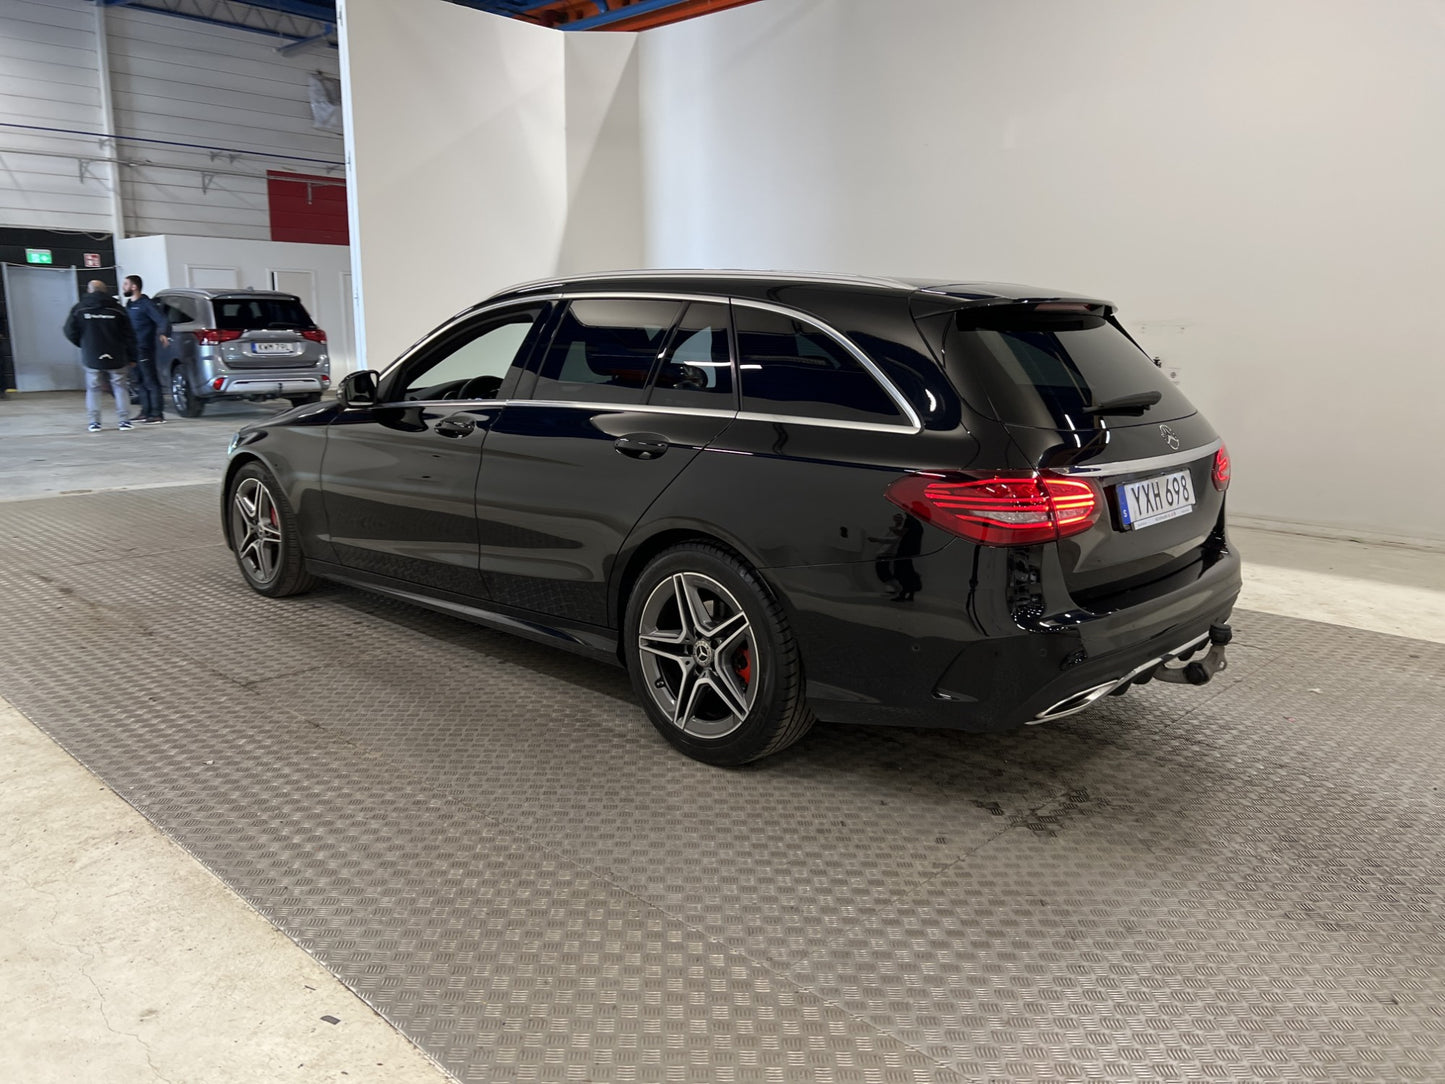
(604, 350)
(178, 310)
(697, 370)
(788, 366)
(470, 362)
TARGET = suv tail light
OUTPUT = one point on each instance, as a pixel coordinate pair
(1220, 474)
(212, 335)
(1000, 509)
(316, 335)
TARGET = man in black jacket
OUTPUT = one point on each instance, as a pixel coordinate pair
(152, 331)
(99, 326)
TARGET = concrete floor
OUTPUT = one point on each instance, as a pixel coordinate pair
(124, 960)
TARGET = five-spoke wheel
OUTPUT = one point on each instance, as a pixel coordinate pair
(712, 657)
(698, 655)
(263, 534)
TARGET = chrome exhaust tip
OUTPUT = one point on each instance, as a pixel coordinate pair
(1079, 701)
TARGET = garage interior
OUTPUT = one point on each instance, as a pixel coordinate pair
(502, 872)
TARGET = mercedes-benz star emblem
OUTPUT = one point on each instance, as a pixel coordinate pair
(1169, 437)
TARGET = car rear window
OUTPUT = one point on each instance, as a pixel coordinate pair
(1046, 374)
(261, 314)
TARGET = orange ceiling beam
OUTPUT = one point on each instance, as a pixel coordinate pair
(562, 12)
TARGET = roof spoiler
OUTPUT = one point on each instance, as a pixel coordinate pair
(993, 309)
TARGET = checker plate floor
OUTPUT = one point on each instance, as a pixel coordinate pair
(485, 839)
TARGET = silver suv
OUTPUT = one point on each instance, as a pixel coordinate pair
(240, 344)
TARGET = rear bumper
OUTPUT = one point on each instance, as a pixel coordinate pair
(251, 386)
(963, 655)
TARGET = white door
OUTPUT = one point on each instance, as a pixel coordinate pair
(213, 278)
(38, 300)
(300, 283)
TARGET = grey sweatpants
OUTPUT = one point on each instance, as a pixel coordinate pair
(95, 383)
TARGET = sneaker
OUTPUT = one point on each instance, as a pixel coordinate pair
(94, 427)
(151, 421)
(123, 426)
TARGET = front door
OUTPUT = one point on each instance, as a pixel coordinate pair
(399, 479)
(626, 395)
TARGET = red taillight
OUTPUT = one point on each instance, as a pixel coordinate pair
(1220, 474)
(218, 382)
(214, 335)
(1000, 510)
(316, 335)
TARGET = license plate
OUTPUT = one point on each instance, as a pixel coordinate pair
(273, 348)
(1155, 500)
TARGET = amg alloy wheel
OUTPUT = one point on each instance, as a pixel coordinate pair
(263, 534)
(712, 657)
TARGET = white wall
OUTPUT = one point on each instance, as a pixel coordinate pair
(162, 261)
(482, 152)
(1258, 185)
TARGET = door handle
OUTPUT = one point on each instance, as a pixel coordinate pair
(642, 445)
(457, 425)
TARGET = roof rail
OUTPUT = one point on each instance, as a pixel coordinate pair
(700, 272)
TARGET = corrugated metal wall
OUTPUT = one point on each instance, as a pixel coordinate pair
(49, 78)
(171, 80)
(191, 83)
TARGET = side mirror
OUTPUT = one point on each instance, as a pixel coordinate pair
(357, 389)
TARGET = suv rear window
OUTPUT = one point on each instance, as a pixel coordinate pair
(1045, 373)
(261, 314)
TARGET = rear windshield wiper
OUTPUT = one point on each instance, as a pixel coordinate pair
(1127, 404)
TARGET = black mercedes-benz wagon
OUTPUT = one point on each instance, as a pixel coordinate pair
(773, 495)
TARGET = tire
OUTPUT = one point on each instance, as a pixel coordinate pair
(305, 400)
(712, 657)
(264, 534)
(183, 396)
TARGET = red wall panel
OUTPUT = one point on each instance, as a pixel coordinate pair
(307, 208)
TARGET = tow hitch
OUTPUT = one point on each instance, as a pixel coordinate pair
(1198, 671)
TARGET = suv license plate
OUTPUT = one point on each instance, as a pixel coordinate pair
(1154, 500)
(273, 348)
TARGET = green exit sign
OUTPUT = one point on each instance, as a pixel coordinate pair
(37, 255)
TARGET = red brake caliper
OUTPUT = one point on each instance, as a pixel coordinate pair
(743, 664)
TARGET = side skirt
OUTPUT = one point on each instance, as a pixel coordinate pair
(588, 640)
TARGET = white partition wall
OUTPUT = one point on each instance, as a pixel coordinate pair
(1257, 184)
(483, 151)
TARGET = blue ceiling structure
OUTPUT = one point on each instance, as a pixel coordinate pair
(304, 23)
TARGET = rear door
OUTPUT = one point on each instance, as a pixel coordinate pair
(1079, 397)
(626, 394)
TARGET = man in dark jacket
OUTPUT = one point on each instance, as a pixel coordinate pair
(152, 331)
(99, 326)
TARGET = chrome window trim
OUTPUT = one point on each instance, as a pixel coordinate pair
(654, 408)
(904, 406)
(1133, 466)
(639, 408)
(827, 423)
(911, 424)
